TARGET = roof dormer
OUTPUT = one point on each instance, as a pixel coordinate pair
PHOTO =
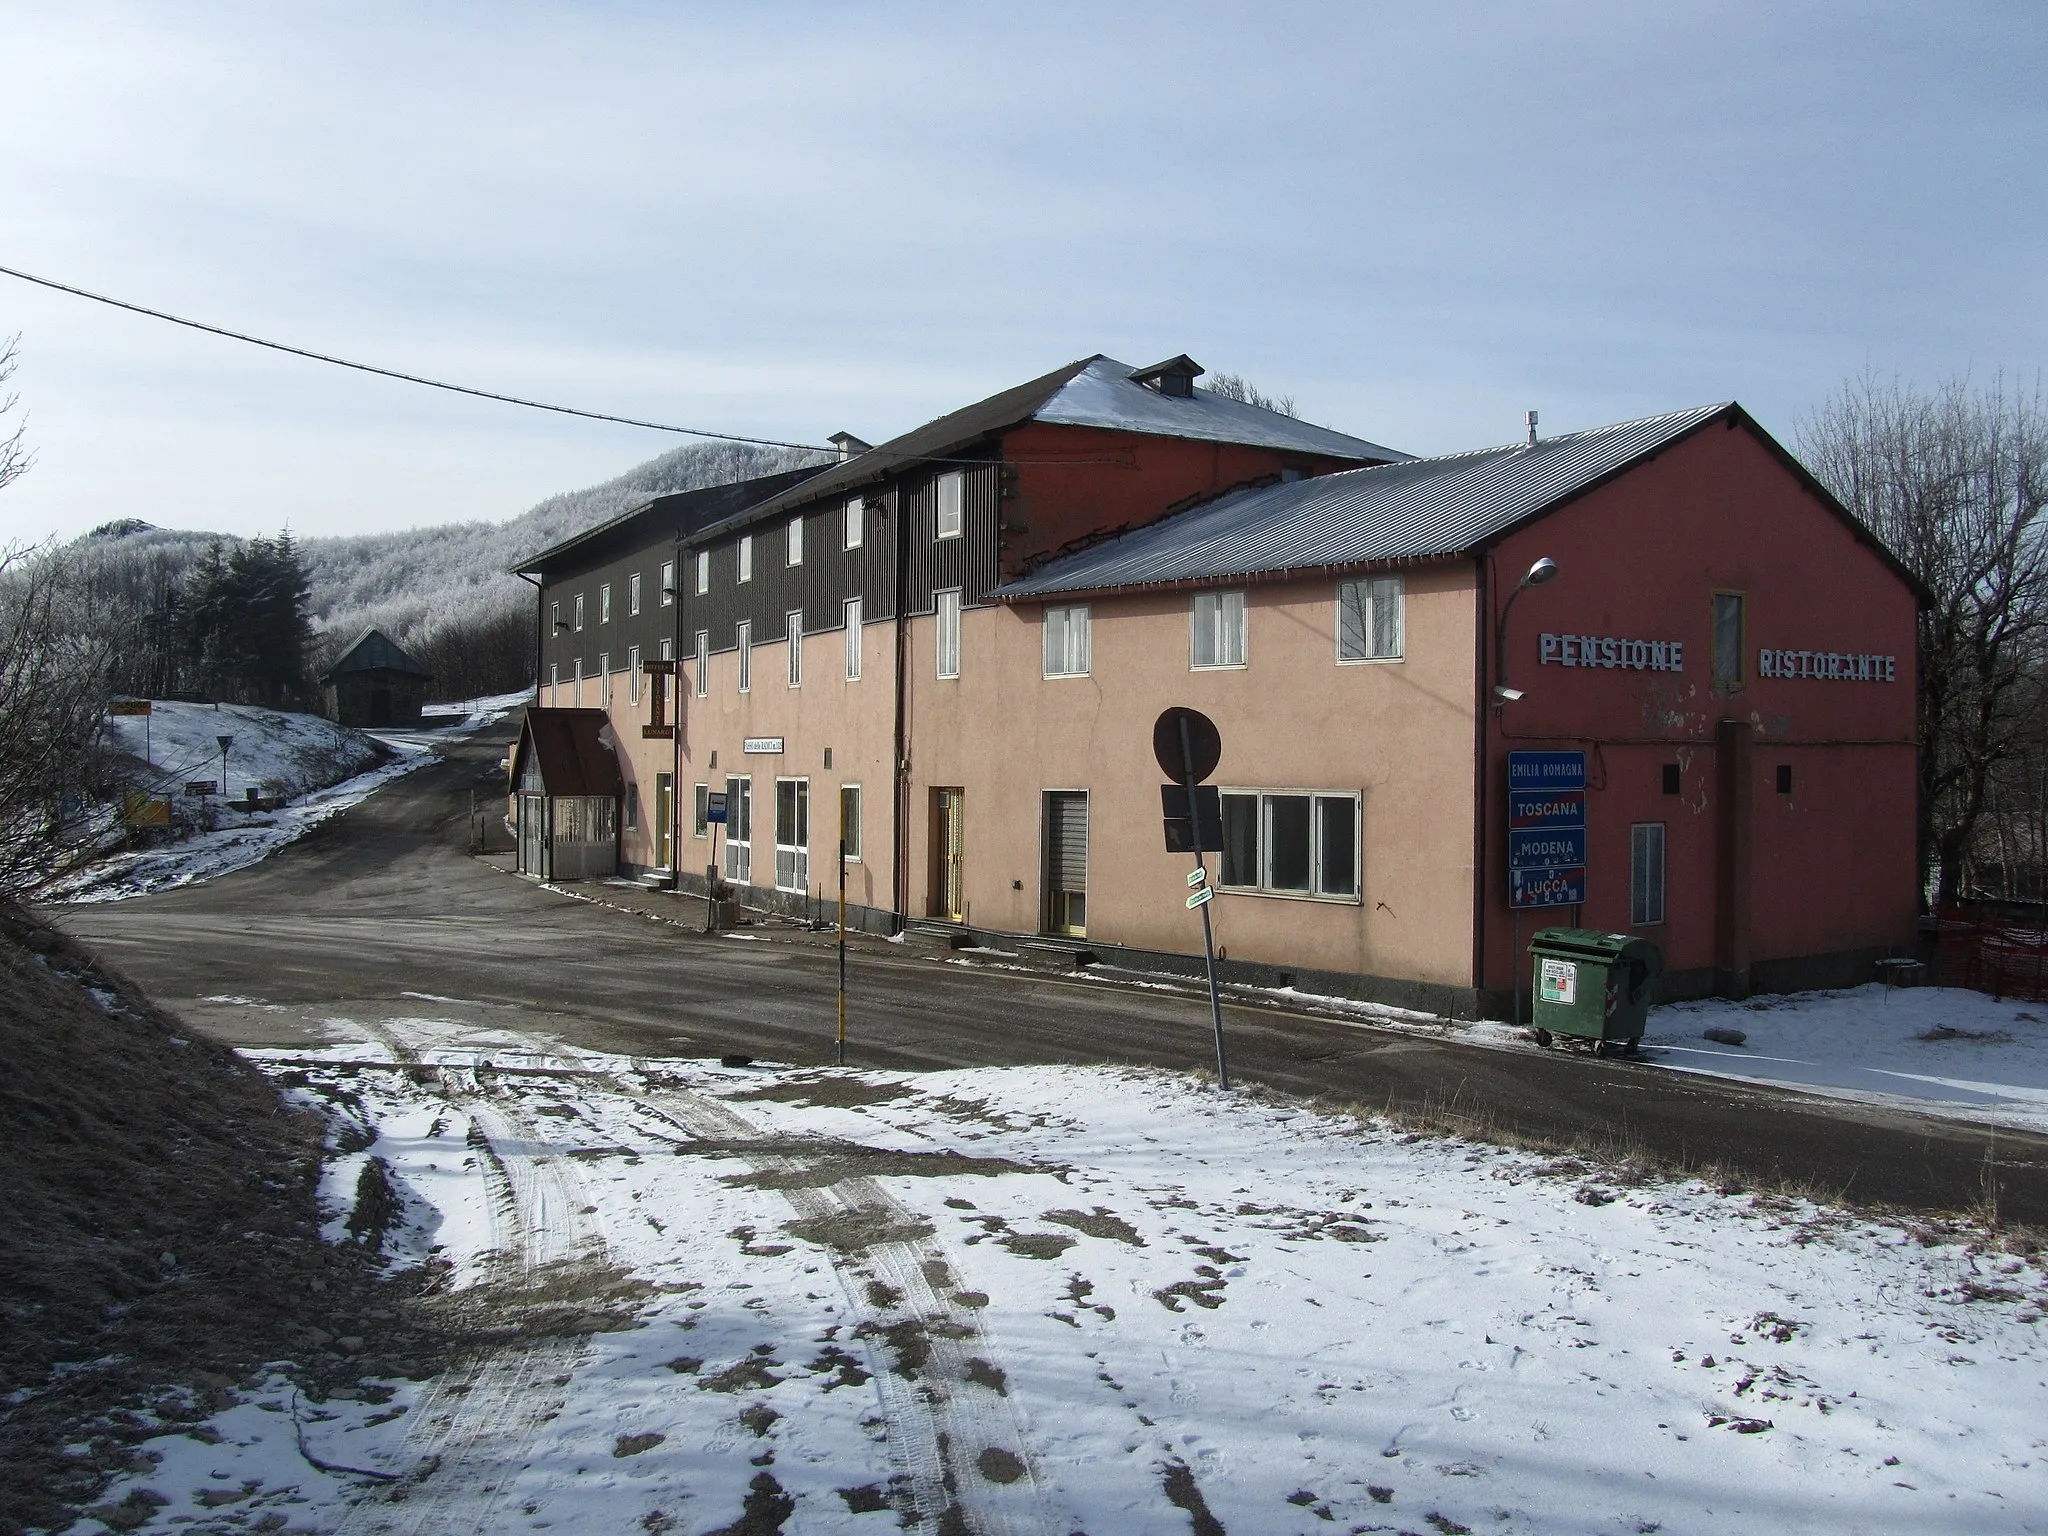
(847, 445)
(1176, 377)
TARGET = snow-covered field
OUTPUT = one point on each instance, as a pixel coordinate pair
(1068, 1299)
(323, 767)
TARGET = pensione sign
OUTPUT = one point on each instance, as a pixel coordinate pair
(1612, 651)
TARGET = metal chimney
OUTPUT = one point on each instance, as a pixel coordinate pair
(1529, 417)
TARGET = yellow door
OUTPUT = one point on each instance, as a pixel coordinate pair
(949, 839)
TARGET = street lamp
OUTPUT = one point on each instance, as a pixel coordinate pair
(1539, 573)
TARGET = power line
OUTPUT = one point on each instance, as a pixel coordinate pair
(408, 378)
(486, 394)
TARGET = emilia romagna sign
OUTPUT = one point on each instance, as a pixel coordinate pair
(1546, 829)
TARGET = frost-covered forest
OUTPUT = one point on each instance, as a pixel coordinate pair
(445, 593)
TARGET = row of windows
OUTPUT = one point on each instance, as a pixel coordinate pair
(792, 828)
(950, 523)
(1369, 628)
(604, 600)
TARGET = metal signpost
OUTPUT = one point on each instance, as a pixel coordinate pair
(225, 743)
(842, 951)
(1546, 836)
(714, 817)
(1188, 747)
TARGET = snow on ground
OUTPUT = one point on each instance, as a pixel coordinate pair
(1059, 1299)
(1936, 1050)
(273, 752)
(469, 714)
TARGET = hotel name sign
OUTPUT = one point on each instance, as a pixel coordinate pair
(1614, 651)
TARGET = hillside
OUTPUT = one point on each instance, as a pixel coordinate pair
(414, 582)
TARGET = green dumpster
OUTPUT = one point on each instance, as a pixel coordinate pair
(1592, 987)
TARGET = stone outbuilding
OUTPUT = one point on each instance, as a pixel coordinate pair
(375, 684)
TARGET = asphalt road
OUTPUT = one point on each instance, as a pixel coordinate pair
(382, 913)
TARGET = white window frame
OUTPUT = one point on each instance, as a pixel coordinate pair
(746, 557)
(949, 505)
(1317, 889)
(604, 603)
(1064, 655)
(700, 824)
(739, 814)
(794, 631)
(633, 595)
(632, 674)
(668, 582)
(604, 679)
(793, 859)
(576, 685)
(703, 662)
(746, 650)
(1219, 631)
(554, 683)
(1647, 874)
(579, 613)
(793, 546)
(632, 806)
(946, 631)
(856, 521)
(853, 639)
(668, 650)
(853, 848)
(703, 571)
(1365, 597)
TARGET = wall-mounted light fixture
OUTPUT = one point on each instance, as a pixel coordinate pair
(1543, 570)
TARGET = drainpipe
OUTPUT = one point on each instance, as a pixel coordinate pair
(675, 779)
(899, 776)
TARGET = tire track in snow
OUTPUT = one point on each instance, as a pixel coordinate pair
(942, 1419)
(473, 1429)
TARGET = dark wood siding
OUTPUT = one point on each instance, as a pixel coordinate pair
(647, 629)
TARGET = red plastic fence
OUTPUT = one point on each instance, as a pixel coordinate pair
(2005, 959)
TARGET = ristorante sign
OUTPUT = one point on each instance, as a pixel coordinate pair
(1828, 666)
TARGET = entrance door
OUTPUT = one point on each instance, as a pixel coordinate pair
(532, 834)
(1066, 862)
(380, 706)
(792, 834)
(739, 830)
(949, 841)
(665, 820)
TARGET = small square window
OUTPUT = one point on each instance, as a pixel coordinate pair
(1671, 778)
(1218, 638)
(951, 514)
(1066, 641)
(1369, 619)
(1784, 778)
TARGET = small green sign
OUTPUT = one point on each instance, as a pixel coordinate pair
(1204, 894)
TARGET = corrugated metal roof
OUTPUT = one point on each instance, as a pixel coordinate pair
(1417, 510)
(1103, 394)
(1094, 391)
(374, 651)
(671, 515)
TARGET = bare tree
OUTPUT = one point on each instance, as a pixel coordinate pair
(14, 455)
(1235, 386)
(1956, 483)
(52, 693)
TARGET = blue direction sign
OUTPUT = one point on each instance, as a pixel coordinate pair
(1546, 848)
(1546, 770)
(1546, 808)
(1546, 829)
(1547, 887)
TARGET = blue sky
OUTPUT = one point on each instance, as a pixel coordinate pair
(784, 220)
